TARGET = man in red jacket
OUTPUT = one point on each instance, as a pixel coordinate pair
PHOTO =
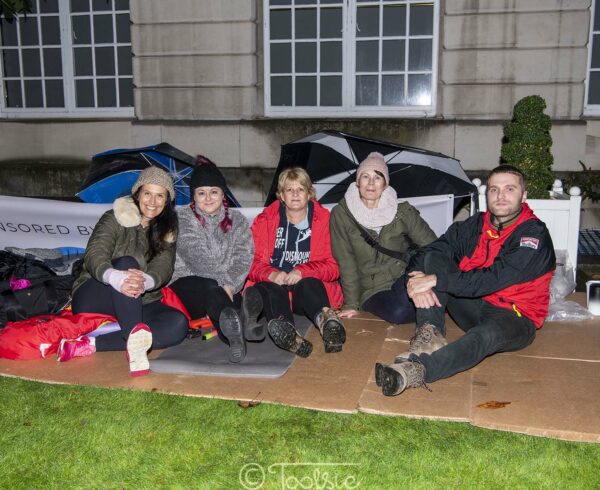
(492, 273)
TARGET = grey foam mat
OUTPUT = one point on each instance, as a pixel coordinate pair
(210, 358)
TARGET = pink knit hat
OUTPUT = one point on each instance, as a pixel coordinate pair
(374, 161)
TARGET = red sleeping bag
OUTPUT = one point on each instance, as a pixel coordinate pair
(39, 336)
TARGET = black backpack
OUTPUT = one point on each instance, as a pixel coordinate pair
(48, 293)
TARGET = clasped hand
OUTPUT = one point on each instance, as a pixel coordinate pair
(285, 278)
(420, 289)
(133, 285)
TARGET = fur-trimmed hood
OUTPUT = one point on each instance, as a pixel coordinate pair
(128, 215)
(126, 212)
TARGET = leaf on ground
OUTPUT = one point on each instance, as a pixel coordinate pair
(251, 403)
(493, 405)
(27, 423)
(248, 404)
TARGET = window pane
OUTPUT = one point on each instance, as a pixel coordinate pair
(305, 2)
(393, 55)
(281, 91)
(419, 90)
(419, 54)
(367, 56)
(335, 2)
(105, 61)
(306, 23)
(392, 90)
(331, 23)
(52, 62)
(281, 58)
(107, 92)
(394, 20)
(280, 2)
(421, 20)
(33, 93)
(597, 17)
(80, 5)
(121, 4)
(31, 63)
(306, 57)
(331, 57)
(11, 65)
(367, 22)
(366, 90)
(123, 28)
(594, 88)
(281, 24)
(83, 62)
(306, 91)
(14, 97)
(50, 30)
(125, 92)
(29, 31)
(84, 93)
(9, 33)
(596, 51)
(103, 29)
(124, 60)
(101, 5)
(49, 6)
(54, 93)
(331, 91)
(82, 33)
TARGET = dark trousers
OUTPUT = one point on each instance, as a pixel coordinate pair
(202, 296)
(393, 305)
(309, 296)
(488, 328)
(168, 326)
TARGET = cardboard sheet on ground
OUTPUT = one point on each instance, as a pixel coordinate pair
(210, 358)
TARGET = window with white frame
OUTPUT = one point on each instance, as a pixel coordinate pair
(592, 95)
(349, 57)
(67, 57)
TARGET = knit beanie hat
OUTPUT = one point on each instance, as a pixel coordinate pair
(207, 175)
(374, 161)
(156, 176)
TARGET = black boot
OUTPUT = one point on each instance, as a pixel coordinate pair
(231, 327)
(252, 306)
(287, 337)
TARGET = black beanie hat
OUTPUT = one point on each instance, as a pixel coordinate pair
(207, 174)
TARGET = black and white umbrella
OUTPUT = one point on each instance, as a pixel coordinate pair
(331, 159)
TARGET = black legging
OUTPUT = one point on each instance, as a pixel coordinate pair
(168, 326)
(202, 296)
(309, 296)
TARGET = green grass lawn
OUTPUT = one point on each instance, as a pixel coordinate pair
(56, 436)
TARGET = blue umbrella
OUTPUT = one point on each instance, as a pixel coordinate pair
(113, 173)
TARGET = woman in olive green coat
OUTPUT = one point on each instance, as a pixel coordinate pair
(371, 279)
(128, 259)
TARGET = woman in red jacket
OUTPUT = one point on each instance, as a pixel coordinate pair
(293, 261)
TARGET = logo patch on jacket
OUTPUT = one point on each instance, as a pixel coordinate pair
(530, 242)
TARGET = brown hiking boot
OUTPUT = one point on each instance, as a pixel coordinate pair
(286, 337)
(332, 330)
(427, 340)
(394, 379)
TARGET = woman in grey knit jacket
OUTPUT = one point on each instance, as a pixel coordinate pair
(214, 253)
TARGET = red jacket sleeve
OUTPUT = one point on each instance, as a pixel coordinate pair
(264, 242)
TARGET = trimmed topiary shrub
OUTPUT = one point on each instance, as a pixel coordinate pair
(527, 144)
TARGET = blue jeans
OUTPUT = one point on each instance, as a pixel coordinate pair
(488, 328)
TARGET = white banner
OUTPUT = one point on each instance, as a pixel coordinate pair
(43, 223)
